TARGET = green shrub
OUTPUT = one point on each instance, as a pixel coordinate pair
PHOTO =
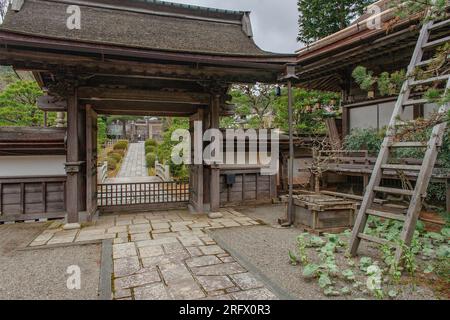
(112, 164)
(150, 160)
(364, 139)
(178, 171)
(150, 149)
(120, 152)
(115, 156)
(151, 142)
(121, 145)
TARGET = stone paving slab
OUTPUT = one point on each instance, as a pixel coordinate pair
(134, 163)
(168, 255)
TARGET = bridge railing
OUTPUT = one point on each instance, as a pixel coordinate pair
(163, 172)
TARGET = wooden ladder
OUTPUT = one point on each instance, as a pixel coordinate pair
(432, 147)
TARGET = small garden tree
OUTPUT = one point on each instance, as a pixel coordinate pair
(18, 105)
(254, 106)
(310, 108)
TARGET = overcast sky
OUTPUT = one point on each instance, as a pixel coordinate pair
(275, 22)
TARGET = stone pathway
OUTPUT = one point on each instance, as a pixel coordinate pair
(168, 255)
(134, 163)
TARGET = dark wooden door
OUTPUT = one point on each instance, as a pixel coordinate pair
(196, 170)
(91, 160)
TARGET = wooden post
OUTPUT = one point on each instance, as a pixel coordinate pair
(72, 165)
(196, 169)
(290, 214)
(365, 182)
(345, 121)
(215, 171)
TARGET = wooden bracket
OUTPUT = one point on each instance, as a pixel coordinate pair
(17, 5)
(73, 167)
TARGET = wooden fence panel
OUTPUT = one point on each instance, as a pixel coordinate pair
(32, 198)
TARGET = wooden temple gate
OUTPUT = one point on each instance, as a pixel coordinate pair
(102, 69)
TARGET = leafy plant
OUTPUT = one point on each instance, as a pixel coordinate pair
(309, 110)
(388, 84)
(374, 281)
(164, 149)
(150, 160)
(316, 242)
(409, 259)
(364, 263)
(311, 270)
(121, 145)
(302, 245)
(292, 258)
(364, 139)
(349, 275)
(151, 142)
(324, 280)
(112, 164)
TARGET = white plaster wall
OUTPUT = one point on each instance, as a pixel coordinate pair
(363, 117)
(376, 116)
(385, 113)
(25, 166)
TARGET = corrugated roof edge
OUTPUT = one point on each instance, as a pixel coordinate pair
(158, 4)
(190, 6)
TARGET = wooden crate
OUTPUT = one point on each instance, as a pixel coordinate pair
(324, 214)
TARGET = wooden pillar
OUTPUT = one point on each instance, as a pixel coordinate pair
(365, 182)
(73, 163)
(215, 171)
(345, 121)
(196, 168)
(82, 157)
(346, 86)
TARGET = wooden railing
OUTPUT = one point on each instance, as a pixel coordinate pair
(129, 194)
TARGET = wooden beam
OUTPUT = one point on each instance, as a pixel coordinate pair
(51, 104)
(45, 61)
(143, 113)
(92, 94)
(119, 105)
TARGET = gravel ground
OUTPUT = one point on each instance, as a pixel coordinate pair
(265, 250)
(41, 274)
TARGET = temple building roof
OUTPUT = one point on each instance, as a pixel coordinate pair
(140, 24)
(387, 46)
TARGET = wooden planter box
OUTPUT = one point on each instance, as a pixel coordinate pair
(324, 214)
